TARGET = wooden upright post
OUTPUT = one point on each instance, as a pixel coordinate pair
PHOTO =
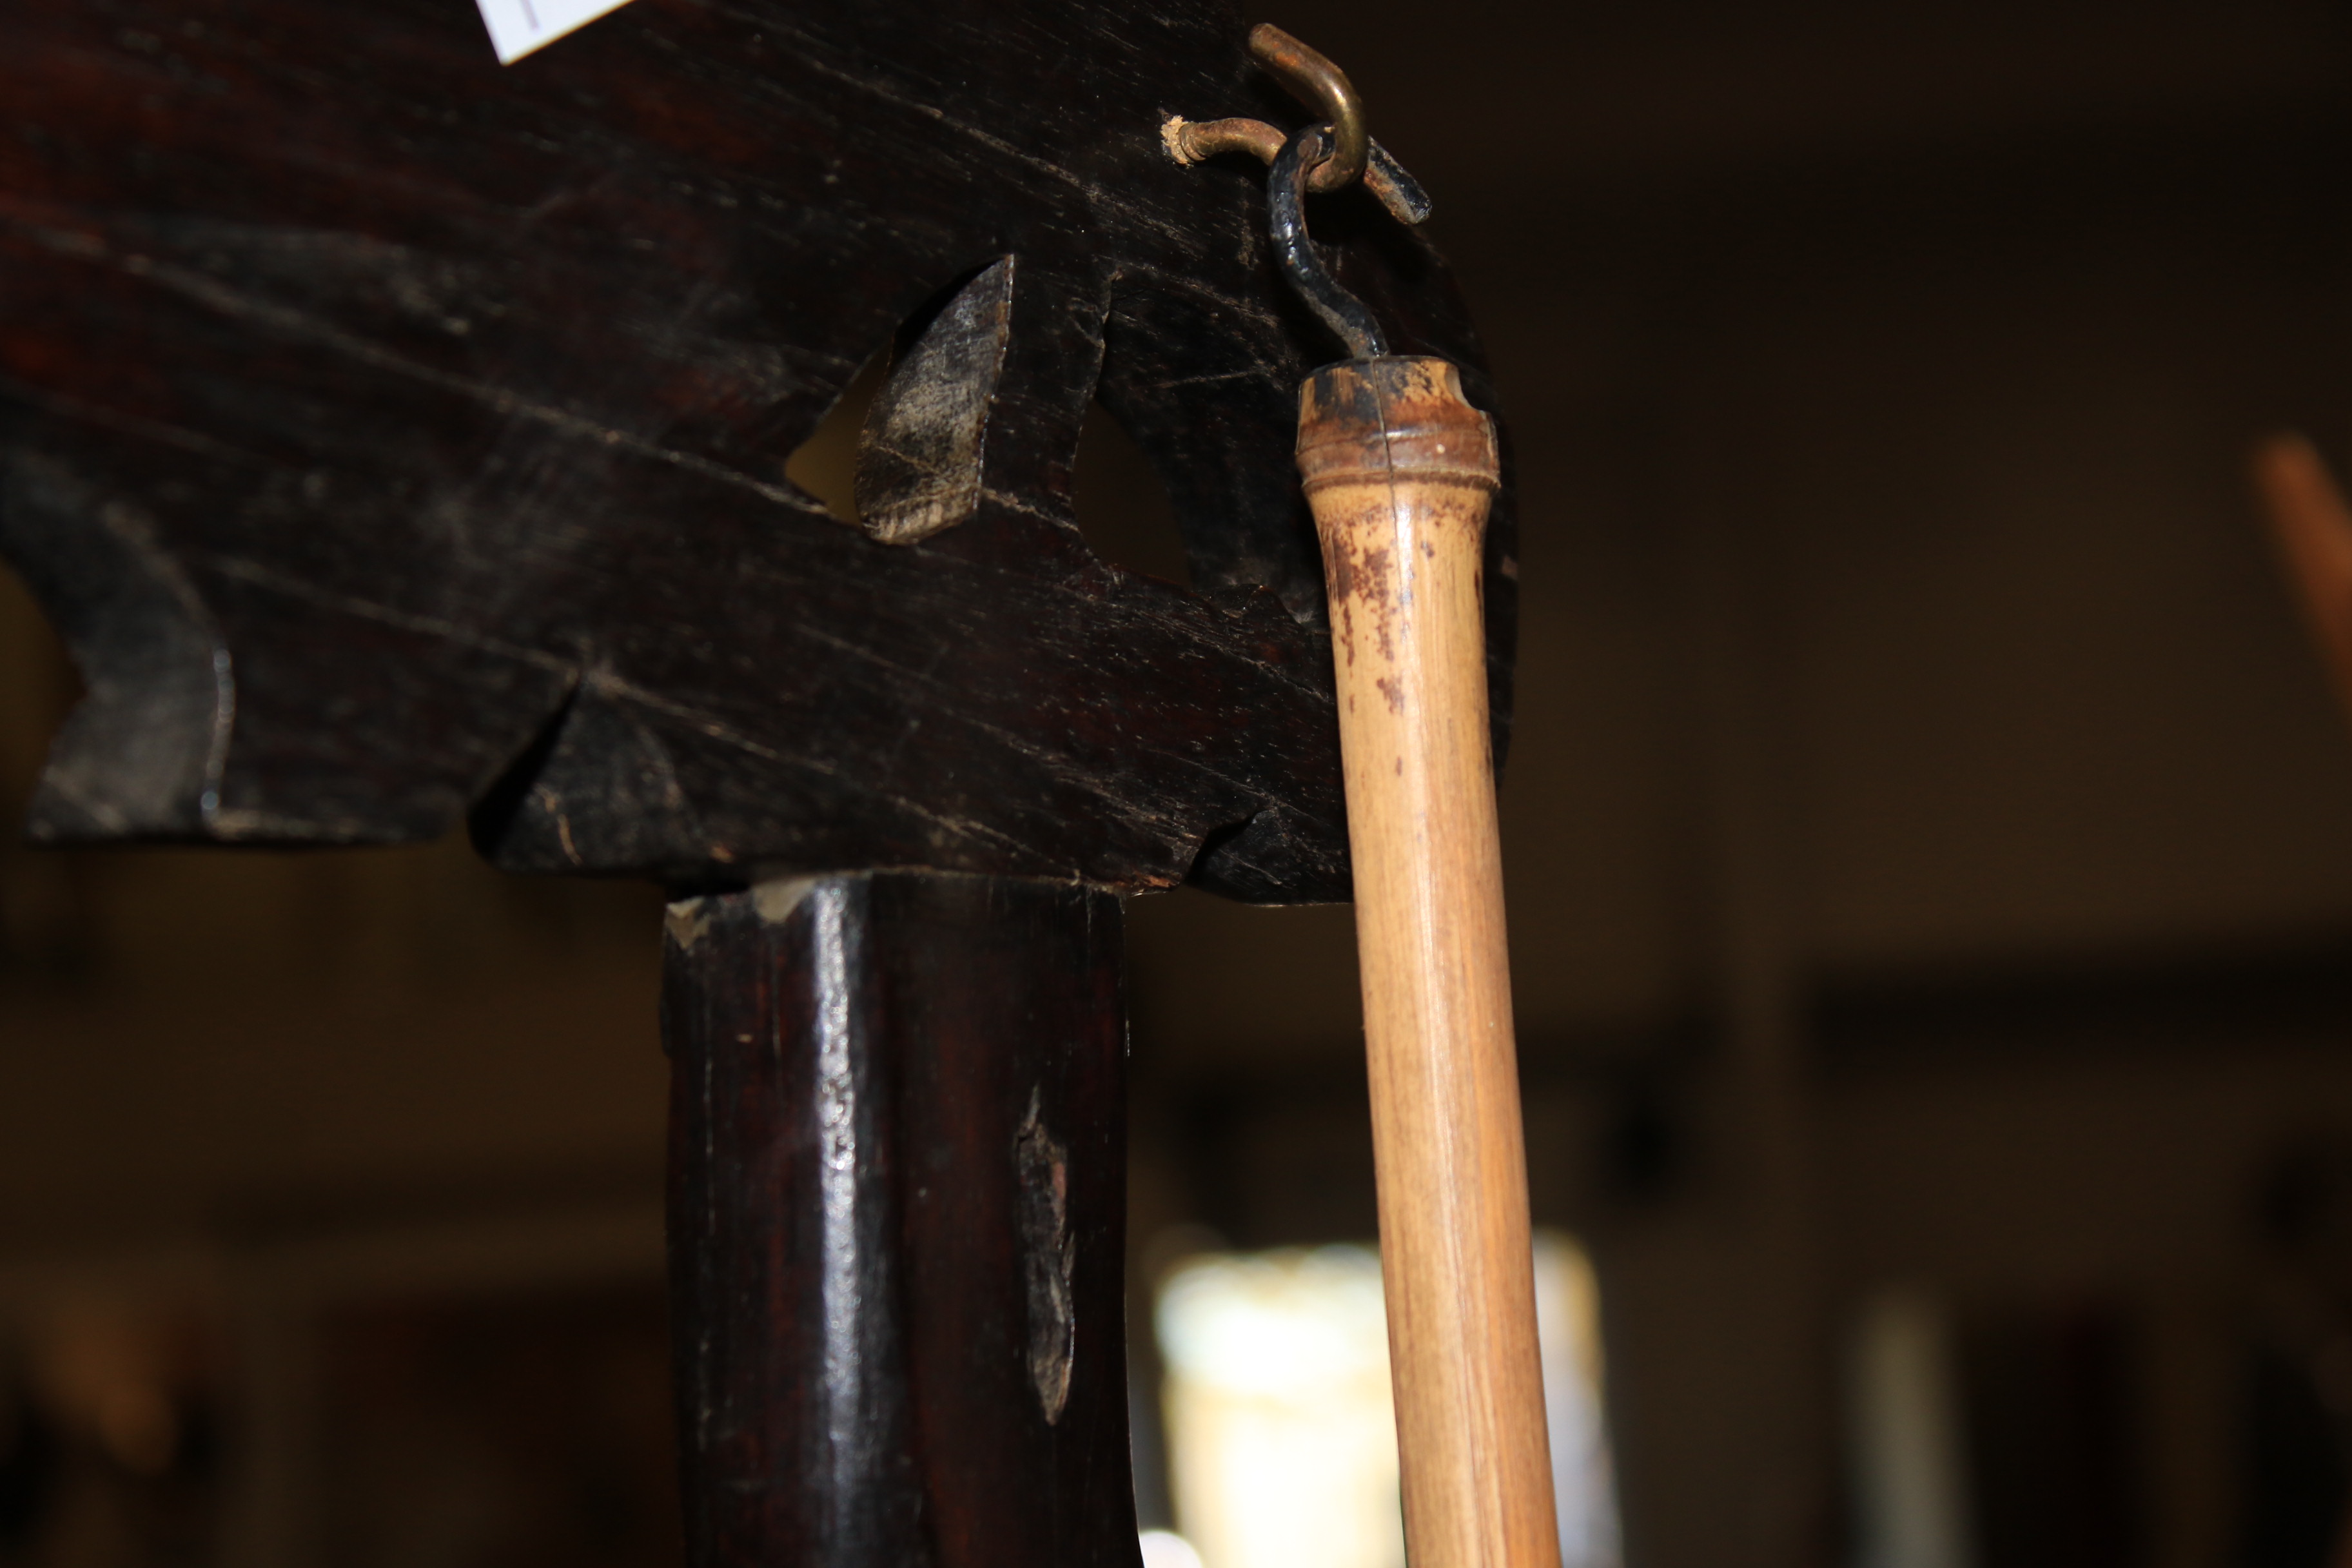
(897, 1203)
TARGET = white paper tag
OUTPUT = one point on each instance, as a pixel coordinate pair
(519, 26)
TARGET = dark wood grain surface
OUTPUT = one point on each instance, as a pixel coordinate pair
(396, 436)
(897, 1203)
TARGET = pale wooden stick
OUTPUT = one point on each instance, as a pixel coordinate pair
(1400, 471)
(2314, 530)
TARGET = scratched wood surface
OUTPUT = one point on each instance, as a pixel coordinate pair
(399, 439)
(898, 1217)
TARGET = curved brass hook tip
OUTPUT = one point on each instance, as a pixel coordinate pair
(1189, 141)
(1318, 83)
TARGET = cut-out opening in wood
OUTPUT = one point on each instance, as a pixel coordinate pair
(922, 449)
(1123, 507)
(825, 465)
(900, 453)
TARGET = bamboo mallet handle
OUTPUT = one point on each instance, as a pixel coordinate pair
(1400, 471)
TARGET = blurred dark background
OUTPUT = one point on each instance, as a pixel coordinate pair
(1929, 837)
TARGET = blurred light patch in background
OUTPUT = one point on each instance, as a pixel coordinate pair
(1906, 1442)
(1281, 1427)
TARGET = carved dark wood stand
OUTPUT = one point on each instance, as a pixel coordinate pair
(398, 442)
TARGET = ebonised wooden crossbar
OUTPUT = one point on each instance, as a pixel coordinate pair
(398, 441)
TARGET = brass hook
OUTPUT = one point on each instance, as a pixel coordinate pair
(1315, 82)
(1319, 84)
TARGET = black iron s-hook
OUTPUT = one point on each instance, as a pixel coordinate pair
(1294, 249)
